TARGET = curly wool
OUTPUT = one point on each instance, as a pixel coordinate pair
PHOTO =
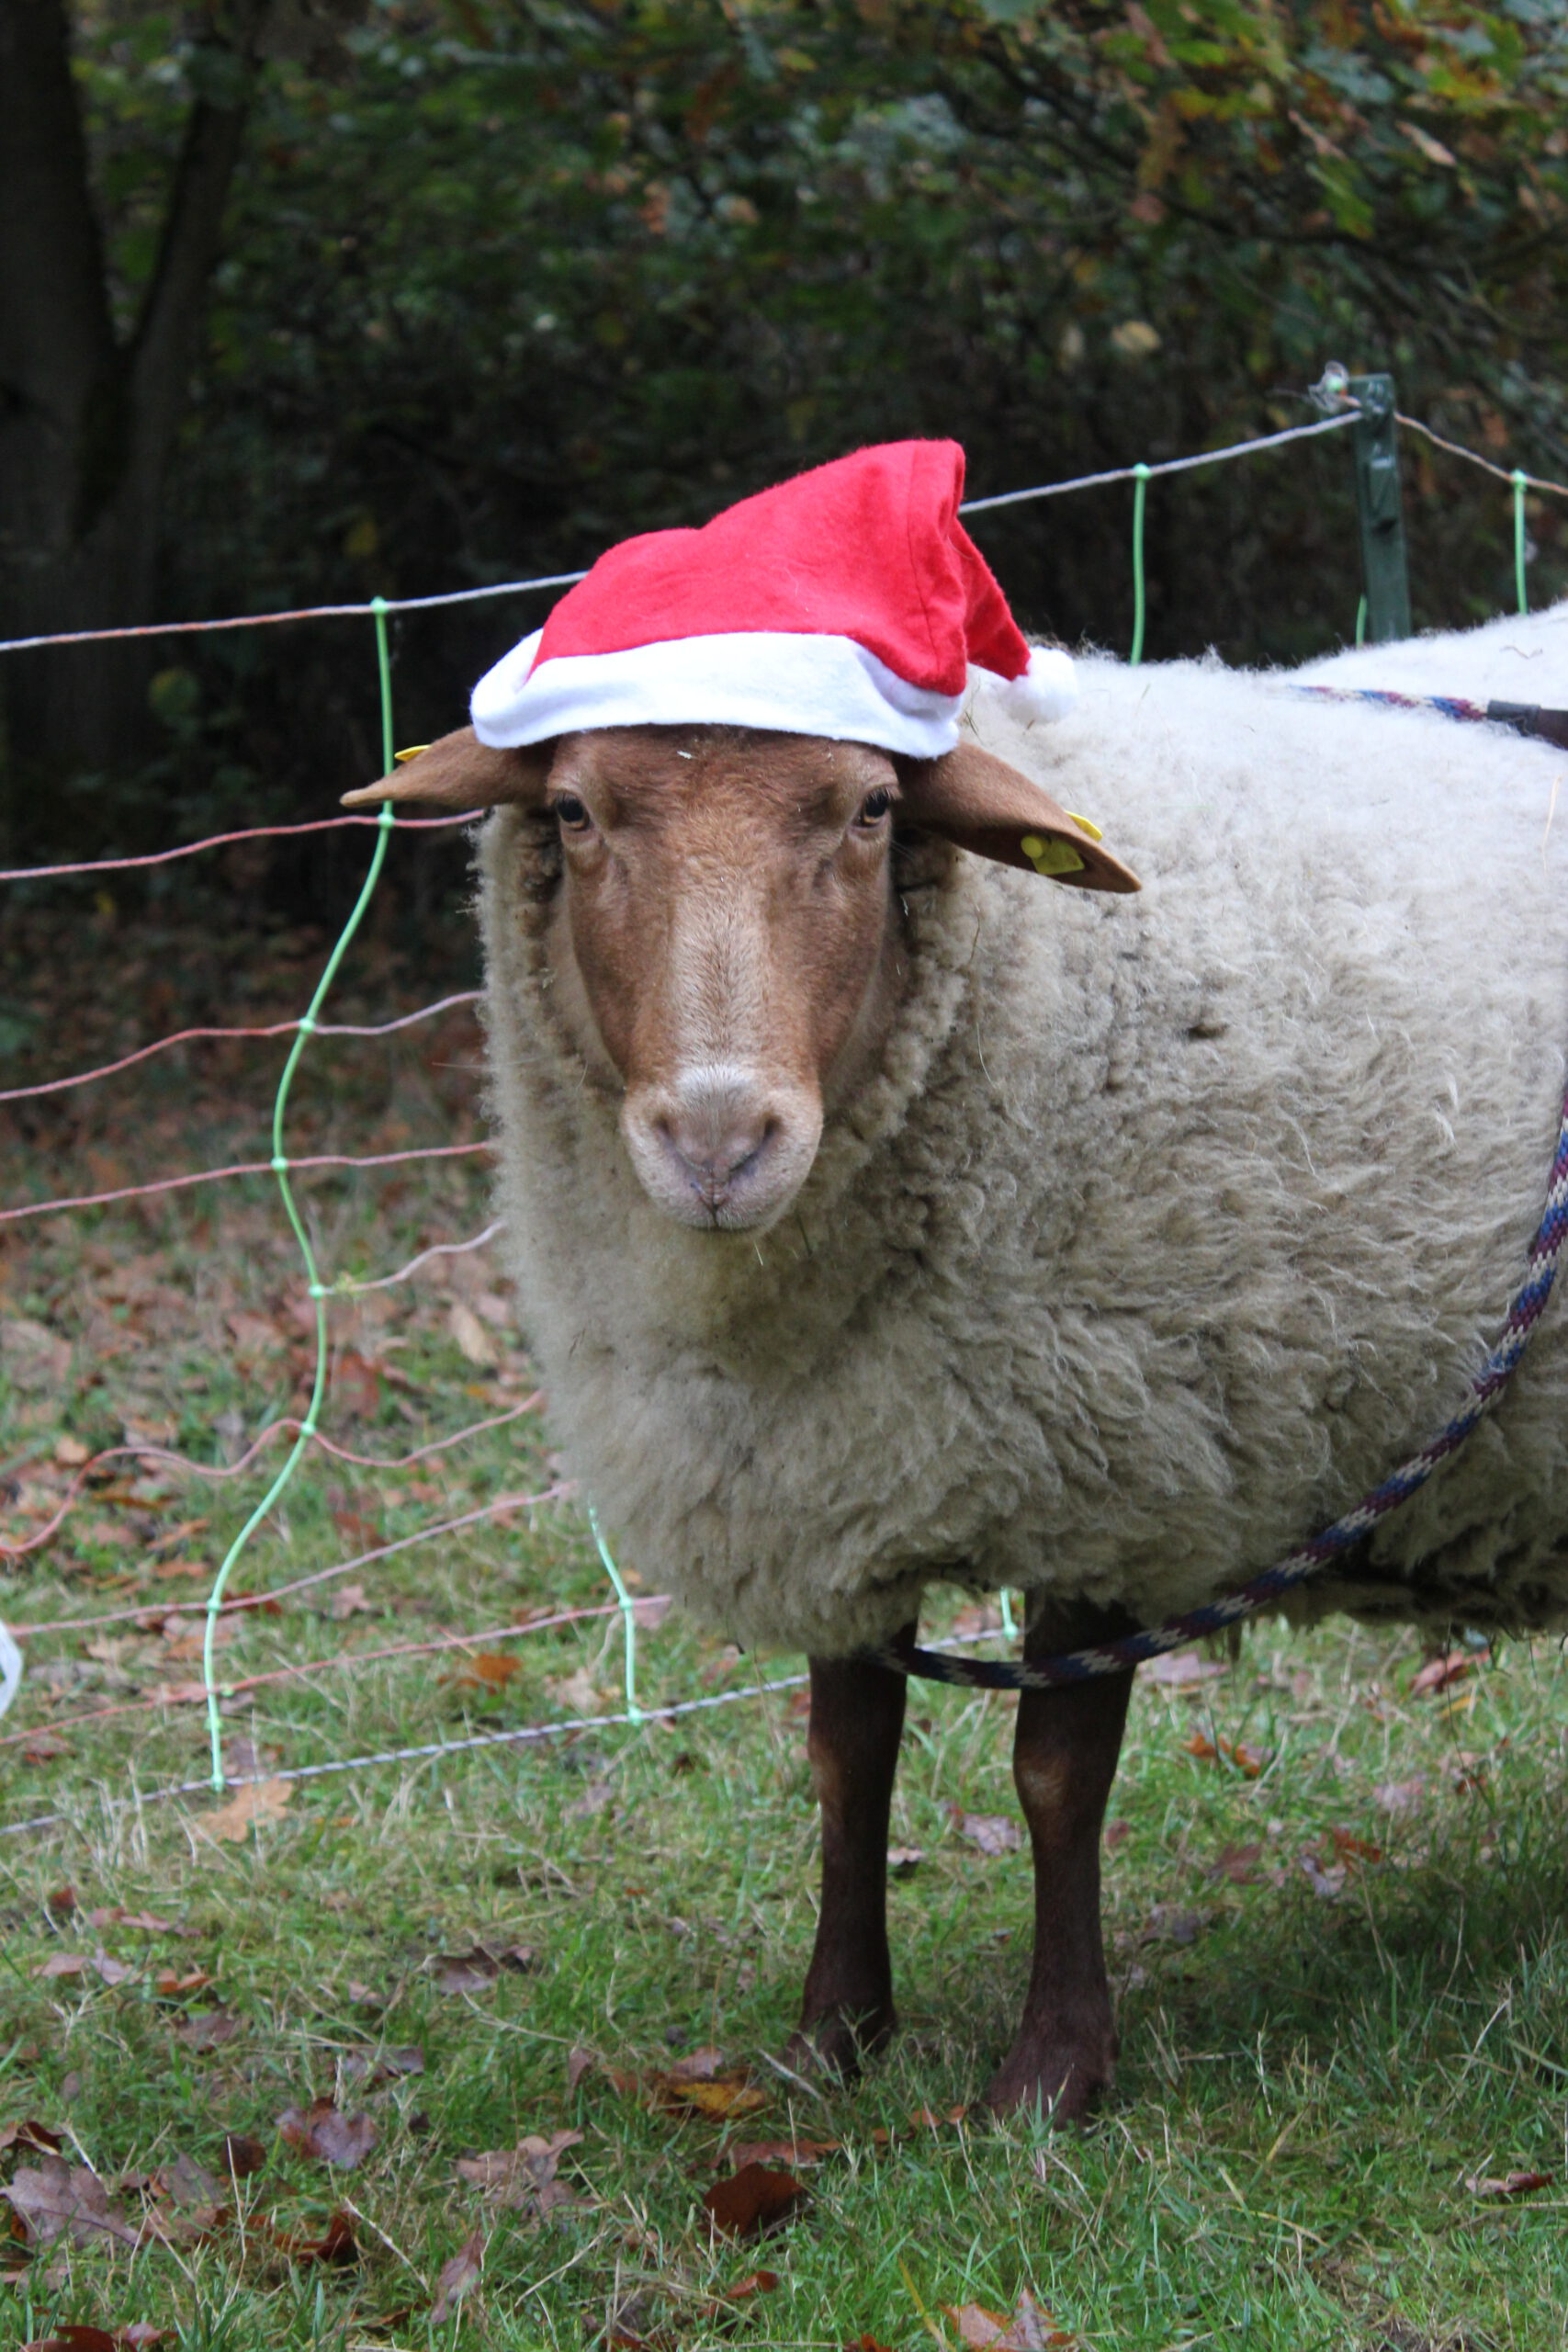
(1166, 1228)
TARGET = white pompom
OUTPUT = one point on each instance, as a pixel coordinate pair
(1047, 690)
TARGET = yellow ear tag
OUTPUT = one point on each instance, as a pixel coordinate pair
(399, 759)
(1087, 824)
(1051, 857)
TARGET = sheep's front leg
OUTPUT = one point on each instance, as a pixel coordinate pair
(857, 1720)
(1064, 1762)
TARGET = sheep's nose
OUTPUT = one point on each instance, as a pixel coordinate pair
(718, 1125)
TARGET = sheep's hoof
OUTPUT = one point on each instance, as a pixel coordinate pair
(839, 2041)
(1064, 2078)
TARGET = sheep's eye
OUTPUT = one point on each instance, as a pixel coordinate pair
(571, 813)
(874, 807)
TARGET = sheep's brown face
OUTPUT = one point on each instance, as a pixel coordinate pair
(726, 946)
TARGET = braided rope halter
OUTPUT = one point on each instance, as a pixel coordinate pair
(1133, 1650)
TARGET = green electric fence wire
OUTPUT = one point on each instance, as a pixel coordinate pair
(1518, 481)
(281, 1168)
(1010, 1625)
(1140, 492)
(1361, 622)
(629, 1616)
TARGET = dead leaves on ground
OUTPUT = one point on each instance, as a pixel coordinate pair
(522, 2180)
(1031, 2328)
(1510, 2183)
(56, 2199)
(259, 1800)
(456, 2276)
(472, 1970)
(71, 2335)
(322, 2131)
(746, 2204)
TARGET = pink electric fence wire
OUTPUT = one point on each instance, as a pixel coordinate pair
(242, 1167)
(271, 1029)
(64, 1723)
(220, 841)
(496, 1510)
(233, 1470)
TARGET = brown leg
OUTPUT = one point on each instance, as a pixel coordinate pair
(857, 1719)
(1064, 1762)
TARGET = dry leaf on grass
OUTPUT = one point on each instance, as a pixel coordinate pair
(352, 1600)
(577, 2063)
(1236, 1863)
(169, 1985)
(522, 2180)
(472, 1335)
(751, 2200)
(1441, 1673)
(470, 1971)
(384, 2065)
(1184, 1669)
(30, 2134)
(56, 2199)
(1401, 1796)
(904, 1860)
(148, 1922)
(703, 2081)
(1248, 1761)
(75, 1963)
(456, 2276)
(242, 2154)
(337, 2244)
(493, 1669)
(43, 1746)
(992, 1833)
(788, 2153)
(1512, 2184)
(578, 1694)
(73, 2336)
(261, 1801)
(333, 2138)
(1031, 2328)
(207, 2029)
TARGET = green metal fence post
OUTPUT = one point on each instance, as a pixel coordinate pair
(1379, 509)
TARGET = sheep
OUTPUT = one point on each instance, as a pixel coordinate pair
(1099, 1247)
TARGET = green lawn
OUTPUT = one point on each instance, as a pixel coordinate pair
(1341, 1982)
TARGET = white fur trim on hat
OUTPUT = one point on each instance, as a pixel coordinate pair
(1047, 690)
(795, 685)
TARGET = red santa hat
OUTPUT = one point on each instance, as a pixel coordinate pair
(848, 603)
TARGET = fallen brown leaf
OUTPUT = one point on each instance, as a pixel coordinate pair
(992, 1833)
(73, 1964)
(1184, 1670)
(752, 2200)
(470, 1971)
(333, 2138)
(493, 1668)
(1031, 2328)
(351, 1601)
(1400, 1796)
(207, 2029)
(472, 1338)
(903, 1859)
(522, 2180)
(578, 2063)
(1512, 2184)
(74, 2336)
(456, 2276)
(30, 2134)
(43, 1746)
(1351, 1848)
(261, 1801)
(1248, 1761)
(337, 2245)
(62, 1902)
(56, 2199)
(788, 2153)
(148, 1922)
(384, 2065)
(1440, 1673)
(1236, 1863)
(242, 2154)
(169, 1985)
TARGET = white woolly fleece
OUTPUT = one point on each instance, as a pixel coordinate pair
(1168, 1225)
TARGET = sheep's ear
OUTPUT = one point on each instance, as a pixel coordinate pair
(459, 772)
(983, 805)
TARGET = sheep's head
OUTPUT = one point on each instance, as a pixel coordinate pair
(727, 944)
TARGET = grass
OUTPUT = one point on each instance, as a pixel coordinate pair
(1326, 2039)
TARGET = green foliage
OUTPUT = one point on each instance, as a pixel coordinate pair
(526, 275)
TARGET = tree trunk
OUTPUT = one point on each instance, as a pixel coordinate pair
(87, 423)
